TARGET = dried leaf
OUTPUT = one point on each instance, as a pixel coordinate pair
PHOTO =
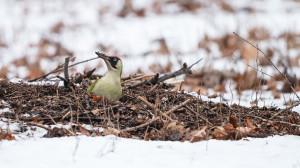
(220, 133)
(35, 119)
(248, 123)
(220, 88)
(57, 27)
(272, 84)
(244, 130)
(6, 136)
(84, 131)
(229, 128)
(276, 94)
(297, 131)
(163, 48)
(125, 134)
(215, 95)
(58, 132)
(248, 52)
(97, 132)
(200, 135)
(232, 121)
(111, 131)
(174, 131)
(96, 112)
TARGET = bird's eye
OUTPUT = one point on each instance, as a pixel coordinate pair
(115, 59)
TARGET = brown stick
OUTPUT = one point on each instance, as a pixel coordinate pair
(152, 81)
(130, 77)
(283, 122)
(39, 125)
(283, 110)
(137, 78)
(184, 70)
(51, 119)
(66, 79)
(271, 63)
(157, 118)
(153, 107)
(59, 69)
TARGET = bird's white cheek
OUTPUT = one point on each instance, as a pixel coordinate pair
(119, 65)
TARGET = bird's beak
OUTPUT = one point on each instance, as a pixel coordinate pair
(103, 56)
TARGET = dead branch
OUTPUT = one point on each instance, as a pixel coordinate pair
(283, 110)
(184, 70)
(130, 77)
(284, 76)
(138, 78)
(157, 118)
(282, 122)
(156, 79)
(153, 107)
(60, 68)
(66, 66)
(66, 80)
(152, 81)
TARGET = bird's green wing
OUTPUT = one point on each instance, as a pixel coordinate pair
(90, 89)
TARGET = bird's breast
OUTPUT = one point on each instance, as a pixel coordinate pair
(109, 87)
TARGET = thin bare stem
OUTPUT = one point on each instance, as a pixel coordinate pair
(157, 118)
(284, 76)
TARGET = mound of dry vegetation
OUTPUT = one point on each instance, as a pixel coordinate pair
(144, 112)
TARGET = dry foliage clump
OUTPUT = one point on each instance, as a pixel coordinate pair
(145, 112)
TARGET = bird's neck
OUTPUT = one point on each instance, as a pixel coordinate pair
(113, 75)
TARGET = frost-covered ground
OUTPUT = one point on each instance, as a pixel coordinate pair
(34, 29)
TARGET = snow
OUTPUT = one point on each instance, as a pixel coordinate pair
(110, 151)
(25, 23)
(131, 37)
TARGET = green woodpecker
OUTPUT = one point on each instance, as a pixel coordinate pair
(109, 86)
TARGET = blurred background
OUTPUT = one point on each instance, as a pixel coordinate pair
(153, 36)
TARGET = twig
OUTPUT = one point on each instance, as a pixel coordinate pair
(59, 69)
(284, 76)
(153, 107)
(184, 70)
(283, 110)
(39, 125)
(51, 119)
(64, 116)
(283, 122)
(152, 81)
(155, 80)
(253, 67)
(153, 87)
(157, 118)
(66, 66)
(137, 78)
(203, 118)
(130, 77)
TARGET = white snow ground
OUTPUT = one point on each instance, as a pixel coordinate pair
(113, 152)
(24, 23)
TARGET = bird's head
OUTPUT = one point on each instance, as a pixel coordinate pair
(113, 63)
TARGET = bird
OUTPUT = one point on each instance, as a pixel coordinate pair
(108, 86)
